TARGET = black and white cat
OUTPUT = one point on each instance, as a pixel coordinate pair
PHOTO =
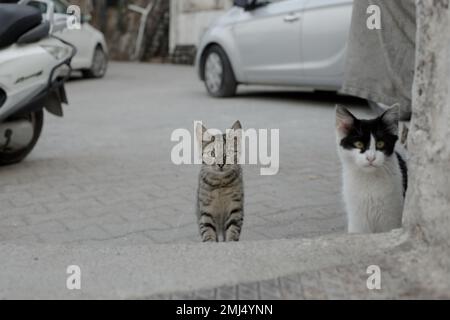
(374, 172)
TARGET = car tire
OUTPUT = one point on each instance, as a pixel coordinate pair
(218, 74)
(99, 64)
(8, 158)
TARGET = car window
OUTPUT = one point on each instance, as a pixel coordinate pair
(60, 7)
(39, 5)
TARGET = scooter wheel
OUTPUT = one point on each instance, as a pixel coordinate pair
(8, 158)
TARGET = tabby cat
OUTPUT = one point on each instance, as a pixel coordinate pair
(374, 171)
(220, 196)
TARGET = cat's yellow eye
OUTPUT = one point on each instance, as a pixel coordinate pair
(380, 144)
(359, 144)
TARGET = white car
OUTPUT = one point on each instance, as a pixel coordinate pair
(92, 52)
(277, 42)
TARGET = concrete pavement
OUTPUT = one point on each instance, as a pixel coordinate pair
(100, 191)
(103, 172)
(329, 267)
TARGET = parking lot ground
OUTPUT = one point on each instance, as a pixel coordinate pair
(103, 173)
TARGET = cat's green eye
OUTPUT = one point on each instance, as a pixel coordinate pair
(359, 144)
(380, 144)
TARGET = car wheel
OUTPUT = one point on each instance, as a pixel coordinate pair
(99, 64)
(218, 74)
(8, 157)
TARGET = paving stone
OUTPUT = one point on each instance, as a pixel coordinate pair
(105, 168)
(226, 293)
(248, 291)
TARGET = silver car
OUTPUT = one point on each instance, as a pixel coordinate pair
(92, 52)
(278, 42)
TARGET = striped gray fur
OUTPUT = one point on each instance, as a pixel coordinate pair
(220, 199)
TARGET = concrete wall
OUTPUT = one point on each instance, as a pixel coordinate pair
(120, 27)
(189, 19)
(427, 210)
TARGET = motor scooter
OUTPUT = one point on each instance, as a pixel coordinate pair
(34, 66)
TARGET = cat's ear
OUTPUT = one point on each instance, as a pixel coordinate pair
(200, 130)
(390, 118)
(236, 125)
(344, 120)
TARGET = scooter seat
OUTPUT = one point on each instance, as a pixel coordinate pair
(16, 20)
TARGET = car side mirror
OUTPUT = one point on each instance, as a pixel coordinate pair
(249, 4)
(246, 4)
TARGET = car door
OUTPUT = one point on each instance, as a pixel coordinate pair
(325, 29)
(81, 38)
(268, 42)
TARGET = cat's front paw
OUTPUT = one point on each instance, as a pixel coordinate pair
(209, 238)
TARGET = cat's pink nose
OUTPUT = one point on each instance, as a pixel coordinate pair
(370, 158)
